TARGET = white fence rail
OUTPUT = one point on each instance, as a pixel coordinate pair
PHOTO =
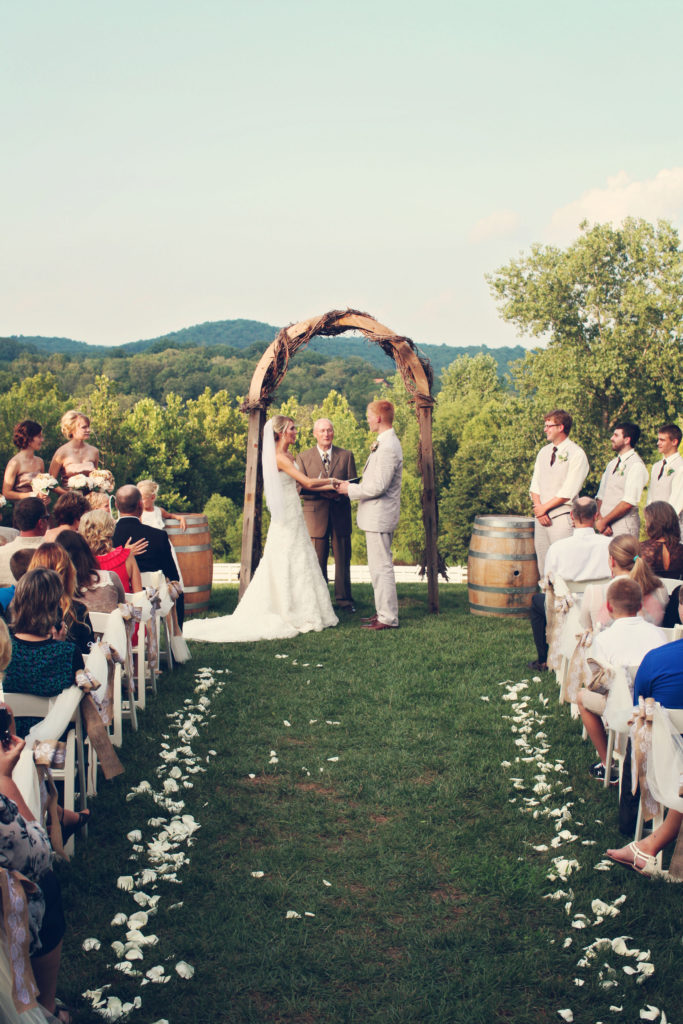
(228, 572)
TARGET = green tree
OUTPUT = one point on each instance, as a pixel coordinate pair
(609, 306)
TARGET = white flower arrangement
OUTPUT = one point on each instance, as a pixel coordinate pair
(101, 480)
(78, 482)
(42, 484)
(3, 500)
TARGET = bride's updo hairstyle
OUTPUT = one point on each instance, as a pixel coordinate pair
(68, 422)
(280, 424)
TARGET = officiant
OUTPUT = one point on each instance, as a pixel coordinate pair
(328, 514)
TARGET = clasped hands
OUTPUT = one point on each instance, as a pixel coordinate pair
(340, 486)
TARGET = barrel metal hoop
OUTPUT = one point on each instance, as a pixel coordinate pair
(503, 590)
(504, 534)
(197, 590)
(196, 547)
(501, 558)
(521, 612)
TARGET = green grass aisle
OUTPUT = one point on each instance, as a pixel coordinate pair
(376, 831)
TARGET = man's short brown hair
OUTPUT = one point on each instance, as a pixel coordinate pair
(625, 596)
(560, 416)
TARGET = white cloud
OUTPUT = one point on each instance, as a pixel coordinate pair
(658, 197)
(498, 224)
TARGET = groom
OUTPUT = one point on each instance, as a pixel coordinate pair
(379, 504)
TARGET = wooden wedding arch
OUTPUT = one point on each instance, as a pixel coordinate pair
(417, 376)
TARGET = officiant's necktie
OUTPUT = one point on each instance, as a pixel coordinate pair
(326, 463)
(552, 457)
(661, 472)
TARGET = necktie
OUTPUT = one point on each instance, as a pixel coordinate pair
(326, 463)
(617, 465)
(552, 457)
(661, 472)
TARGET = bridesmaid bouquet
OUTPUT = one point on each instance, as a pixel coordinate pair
(42, 484)
(101, 480)
(78, 482)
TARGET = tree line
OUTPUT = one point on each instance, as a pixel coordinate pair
(609, 308)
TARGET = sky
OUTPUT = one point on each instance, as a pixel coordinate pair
(167, 163)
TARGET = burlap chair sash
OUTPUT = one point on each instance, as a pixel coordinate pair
(641, 752)
(558, 601)
(579, 674)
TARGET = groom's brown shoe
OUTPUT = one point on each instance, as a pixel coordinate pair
(370, 618)
(378, 625)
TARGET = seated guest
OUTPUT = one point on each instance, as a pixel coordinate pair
(660, 676)
(101, 590)
(624, 644)
(67, 513)
(662, 549)
(97, 528)
(30, 519)
(624, 560)
(40, 664)
(76, 625)
(583, 556)
(18, 563)
(158, 555)
(25, 847)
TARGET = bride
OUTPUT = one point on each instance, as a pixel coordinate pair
(287, 594)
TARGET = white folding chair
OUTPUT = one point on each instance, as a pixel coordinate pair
(100, 621)
(26, 705)
(114, 633)
(669, 584)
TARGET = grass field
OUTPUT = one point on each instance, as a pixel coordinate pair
(362, 774)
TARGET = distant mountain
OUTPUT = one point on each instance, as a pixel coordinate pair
(245, 334)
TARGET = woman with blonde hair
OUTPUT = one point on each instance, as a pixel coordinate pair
(97, 527)
(287, 594)
(625, 560)
(75, 624)
(77, 456)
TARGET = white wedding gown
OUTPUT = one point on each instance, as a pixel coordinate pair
(287, 594)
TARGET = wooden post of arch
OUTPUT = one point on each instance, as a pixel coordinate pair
(272, 367)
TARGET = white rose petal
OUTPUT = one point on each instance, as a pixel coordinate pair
(651, 1013)
(308, 913)
(125, 882)
(89, 944)
(257, 874)
(566, 1015)
(333, 759)
(135, 836)
(184, 970)
(292, 915)
(287, 725)
(118, 919)
(325, 882)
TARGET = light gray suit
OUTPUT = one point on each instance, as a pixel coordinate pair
(379, 506)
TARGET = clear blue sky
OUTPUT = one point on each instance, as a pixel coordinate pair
(168, 162)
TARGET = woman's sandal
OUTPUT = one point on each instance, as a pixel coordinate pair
(70, 830)
(63, 1013)
(633, 857)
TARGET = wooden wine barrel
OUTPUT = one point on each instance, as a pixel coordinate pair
(502, 575)
(193, 548)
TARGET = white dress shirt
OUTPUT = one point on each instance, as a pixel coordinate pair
(583, 556)
(626, 642)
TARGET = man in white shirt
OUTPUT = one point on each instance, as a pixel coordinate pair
(582, 556)
(666, 478)
(559, 472)
(625, 643)
(622, 484)
(30, 518)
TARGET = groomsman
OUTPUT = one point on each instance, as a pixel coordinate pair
(560, 470)
(328, 513)
(379, 506)
(622, 484)
(666, 478)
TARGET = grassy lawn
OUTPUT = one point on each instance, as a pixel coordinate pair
(384, 812)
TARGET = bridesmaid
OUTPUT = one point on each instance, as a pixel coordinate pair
(22, 467)
(77, 455)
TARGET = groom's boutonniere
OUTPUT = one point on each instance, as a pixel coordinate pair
(374, 446)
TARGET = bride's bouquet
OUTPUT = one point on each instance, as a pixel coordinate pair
(42, 484)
